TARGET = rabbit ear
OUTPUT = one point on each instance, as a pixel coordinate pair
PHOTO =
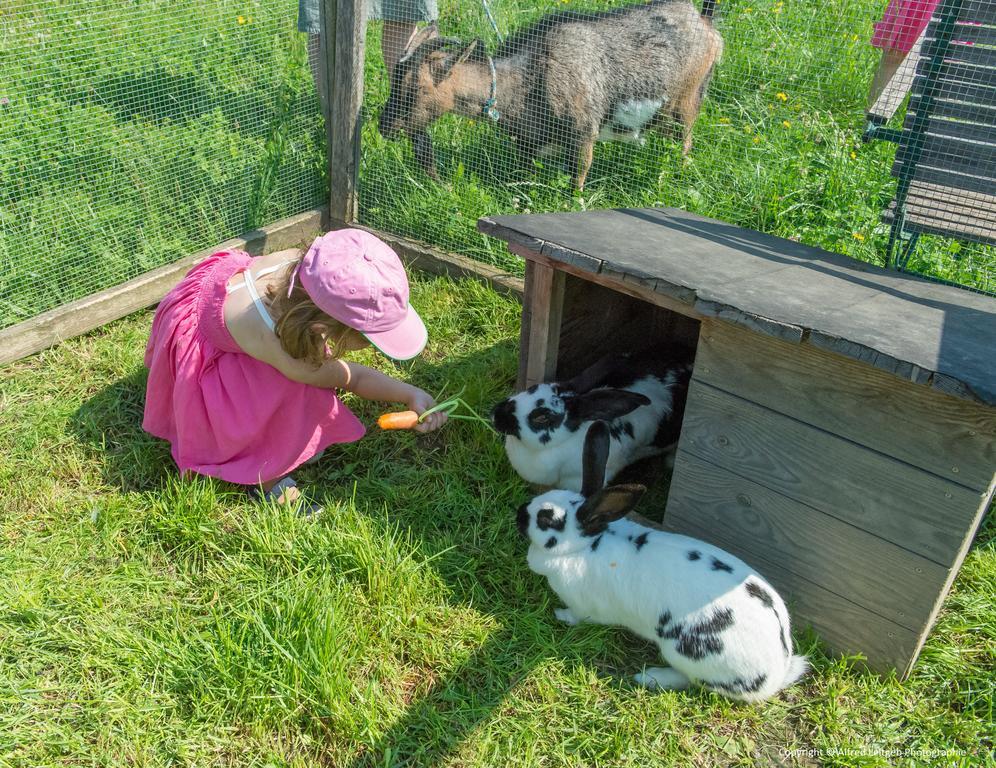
(595, 457)
(605, 404)
(595, 374)
(607, 505)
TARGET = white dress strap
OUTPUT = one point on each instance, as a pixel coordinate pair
(250, 284)
(261, 273)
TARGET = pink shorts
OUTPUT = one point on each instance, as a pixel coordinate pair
(902, 24)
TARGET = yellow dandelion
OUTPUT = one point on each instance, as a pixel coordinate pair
(777, 9)
(854, 38)
(786, 124)
(781, 96)
(854, 155)
(859, 237)
(748, 9)
(724, 120)
(757, 139)
(241, 19)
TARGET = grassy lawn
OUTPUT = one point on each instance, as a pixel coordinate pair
(149, 621)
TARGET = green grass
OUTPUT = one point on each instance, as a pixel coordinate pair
(777, 146)
(133, 134)
(149, 621)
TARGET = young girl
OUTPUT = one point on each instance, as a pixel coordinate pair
(244, 357)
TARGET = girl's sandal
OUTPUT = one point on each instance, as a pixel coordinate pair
(305, 508)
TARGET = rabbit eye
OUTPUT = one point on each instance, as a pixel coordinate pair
(548, 518)
(543, 418)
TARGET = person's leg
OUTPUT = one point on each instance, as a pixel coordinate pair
(318, 70)
(891, 61)
(289, 494)
(394, 40)
(400, 18)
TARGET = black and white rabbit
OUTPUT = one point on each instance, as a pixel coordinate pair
(641, 401)
(717, 622)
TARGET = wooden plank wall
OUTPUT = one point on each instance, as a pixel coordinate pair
(856, 493)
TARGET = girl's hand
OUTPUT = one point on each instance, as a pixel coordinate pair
(422, 401)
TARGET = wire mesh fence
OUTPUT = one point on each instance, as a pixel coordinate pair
(777, 144)
(134, 133)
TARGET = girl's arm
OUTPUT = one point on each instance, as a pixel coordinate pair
(365, 382)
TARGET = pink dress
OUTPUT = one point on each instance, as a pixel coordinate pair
(226, 414)
(902, 24)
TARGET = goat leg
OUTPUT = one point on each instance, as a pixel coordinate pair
(582, 157)
(422, 146)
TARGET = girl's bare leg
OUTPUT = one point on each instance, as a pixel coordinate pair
(289, 495)
(394, 40)
(891, 61)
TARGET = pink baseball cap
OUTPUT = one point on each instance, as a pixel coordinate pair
(359, 280)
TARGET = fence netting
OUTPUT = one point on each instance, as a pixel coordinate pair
(778, 145)
(135, 132)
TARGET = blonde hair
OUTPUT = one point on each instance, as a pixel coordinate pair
(305, 331)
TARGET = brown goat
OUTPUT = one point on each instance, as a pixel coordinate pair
(566, 81)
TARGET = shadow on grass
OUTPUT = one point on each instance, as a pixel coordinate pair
(110, 425)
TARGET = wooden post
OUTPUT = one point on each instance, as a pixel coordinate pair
(343, 39)
(543, 301)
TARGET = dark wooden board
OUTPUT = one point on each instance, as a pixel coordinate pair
(935, 225)
(962, 218)
(782, 288)
(948, 211)
(946, 107)
(971, 54)
(957, 90)
(979, 11)
(953, 70)
(843, 625)
(947, 436)
(948, 178)
(965, 224)
(632, 288)
(751, 520)
(525, 328)
(544, 296)
(961, 156)
(939, 126)
(955, 202)
(882, 496)
(973, 33)
(972, 93)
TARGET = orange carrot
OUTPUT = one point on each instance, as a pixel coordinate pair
(399, 420)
